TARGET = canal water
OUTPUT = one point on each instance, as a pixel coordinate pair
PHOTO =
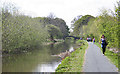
(38, 60)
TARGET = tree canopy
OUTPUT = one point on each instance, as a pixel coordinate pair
(77, 26)
(106, 23)
(20, 32)
(58, 22)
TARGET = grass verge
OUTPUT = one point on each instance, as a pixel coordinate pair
(74, 62)
(113, 57)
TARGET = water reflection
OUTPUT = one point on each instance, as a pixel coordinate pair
(71, 49)
(39, 60)
(46, 67)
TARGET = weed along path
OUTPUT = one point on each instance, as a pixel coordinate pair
(96, 62)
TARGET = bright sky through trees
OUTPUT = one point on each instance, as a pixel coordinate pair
(65, 9)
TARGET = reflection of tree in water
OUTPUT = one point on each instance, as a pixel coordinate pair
(51, 46)
(58, 48)
(30, 60)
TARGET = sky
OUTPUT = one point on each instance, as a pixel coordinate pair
(65, 9)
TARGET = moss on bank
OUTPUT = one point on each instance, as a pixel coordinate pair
(74, 62)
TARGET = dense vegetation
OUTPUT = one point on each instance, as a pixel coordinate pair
(20, 32)
(0, 29)
(106, 23)
(77, 30)
(57, 22)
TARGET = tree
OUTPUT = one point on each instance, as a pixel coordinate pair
(118, 27)
(51, 15)
(58, 22)
(105, 23)
(20, 32)
(78, 25)
(53, 31)
(75, 19)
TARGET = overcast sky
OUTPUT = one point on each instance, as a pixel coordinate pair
(65, 9)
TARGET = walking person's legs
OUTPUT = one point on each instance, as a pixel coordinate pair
(103, 49)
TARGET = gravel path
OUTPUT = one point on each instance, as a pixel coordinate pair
(96, 62)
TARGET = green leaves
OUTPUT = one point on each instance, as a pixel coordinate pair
(105, 23)
(57, 22)
(21, 32)
(24, 32)
(78, 25)
(54, 31)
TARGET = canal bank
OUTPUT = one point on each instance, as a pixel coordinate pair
(74, 62)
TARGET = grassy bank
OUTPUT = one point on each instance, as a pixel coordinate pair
(113, 57)
(74, 62)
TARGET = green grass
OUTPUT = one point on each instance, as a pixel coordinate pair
(74, 62)
(113, 57)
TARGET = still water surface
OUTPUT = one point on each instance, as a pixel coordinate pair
(38, 60)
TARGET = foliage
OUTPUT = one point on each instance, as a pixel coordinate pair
(77, 30)
(106, 23)
(53, 31)
(75, 19)
(0, 29)
(60, 23)
(21, 32)
(118, 18)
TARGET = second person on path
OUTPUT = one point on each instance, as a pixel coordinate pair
(93, 39)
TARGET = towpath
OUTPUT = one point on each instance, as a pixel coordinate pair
(96, 62)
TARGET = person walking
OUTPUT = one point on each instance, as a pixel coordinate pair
(93, 39)
(103, 44)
